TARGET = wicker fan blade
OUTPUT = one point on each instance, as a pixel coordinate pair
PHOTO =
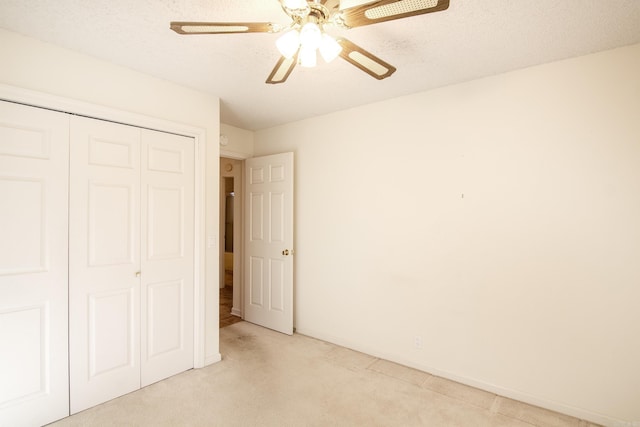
(366, 61)
(331, 4)
(224, 27)
(388, 10)
(283, 68)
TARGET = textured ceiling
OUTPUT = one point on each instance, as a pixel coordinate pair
(471, 39)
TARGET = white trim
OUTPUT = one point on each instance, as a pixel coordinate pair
(199, 307)
(81, 108)
(235, 156)
(237, 308)
(66, 105)
(215, 358)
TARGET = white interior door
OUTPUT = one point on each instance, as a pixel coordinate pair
(131, 259)
(33, 265)
(104, 283)
(269, 242)
(167, 255)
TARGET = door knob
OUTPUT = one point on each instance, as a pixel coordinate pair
(285, 252)
(138, 274)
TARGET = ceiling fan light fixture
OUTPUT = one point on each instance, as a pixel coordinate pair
(304, 38)
(288, 43)
(308, 57)
(298, 8)
(329, 48)
(310, 36)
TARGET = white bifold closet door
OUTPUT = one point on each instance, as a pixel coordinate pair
(34, 171)
(131, 250)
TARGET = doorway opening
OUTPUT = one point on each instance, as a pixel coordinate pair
(231, 241)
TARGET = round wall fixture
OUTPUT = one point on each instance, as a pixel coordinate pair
(228, 167)
(224, 140)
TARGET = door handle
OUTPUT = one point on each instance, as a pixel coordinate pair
(285, 252)
(138, 274)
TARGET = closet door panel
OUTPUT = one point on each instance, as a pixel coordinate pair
(104, 249)
(33, 265)
(167, 255)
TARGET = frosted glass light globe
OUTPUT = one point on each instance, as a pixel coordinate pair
(310, 36)
(288, 43)
(329, 48)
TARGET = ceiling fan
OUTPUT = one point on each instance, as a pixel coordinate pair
(306, 36)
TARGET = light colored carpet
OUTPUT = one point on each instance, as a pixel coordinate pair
(270, 379)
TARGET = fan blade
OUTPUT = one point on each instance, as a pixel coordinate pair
(224, 27)
(331, 4)
(366, 61)
(388, 10)
(283, 68)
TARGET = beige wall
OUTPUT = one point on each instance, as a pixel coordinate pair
(239, 142)
(497, 220)
(30, 64)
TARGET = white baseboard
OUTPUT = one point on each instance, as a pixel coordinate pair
(214, 358)
(236, 312)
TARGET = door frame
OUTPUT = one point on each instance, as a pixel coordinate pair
(66, 105)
